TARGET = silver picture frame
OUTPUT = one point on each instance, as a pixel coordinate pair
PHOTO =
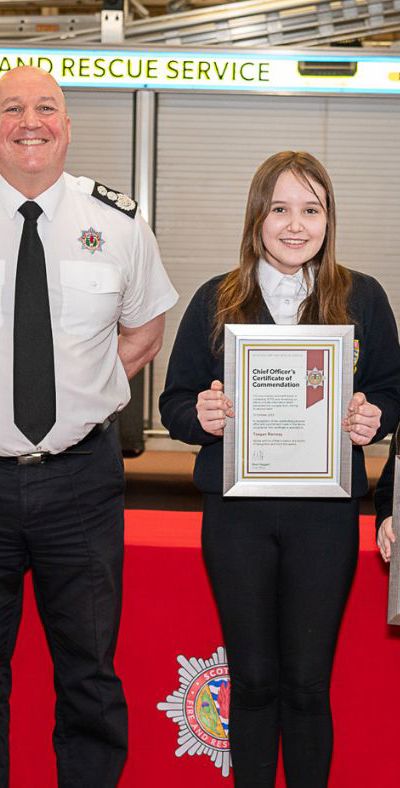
(290, 387)
(393, 614)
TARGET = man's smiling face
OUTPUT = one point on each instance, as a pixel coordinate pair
(34, 130)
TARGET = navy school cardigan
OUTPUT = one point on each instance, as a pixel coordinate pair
(193, 366)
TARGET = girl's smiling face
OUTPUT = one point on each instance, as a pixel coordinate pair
(294, 230)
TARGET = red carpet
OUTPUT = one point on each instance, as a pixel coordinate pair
(168, 611)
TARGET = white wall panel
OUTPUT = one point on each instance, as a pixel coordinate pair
(363, 158)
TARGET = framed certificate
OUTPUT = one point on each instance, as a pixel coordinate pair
(290, 386)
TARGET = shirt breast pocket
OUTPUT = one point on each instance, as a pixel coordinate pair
(90, 296)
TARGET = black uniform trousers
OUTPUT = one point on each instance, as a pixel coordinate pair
(281, 570)
(65, 519)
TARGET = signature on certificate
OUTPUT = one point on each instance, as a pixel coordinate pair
(258, 455)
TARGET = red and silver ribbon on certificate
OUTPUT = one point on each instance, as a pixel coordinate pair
(315, 377)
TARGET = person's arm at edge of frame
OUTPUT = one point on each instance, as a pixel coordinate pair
(138, 346)
(381, 381)
(384, 504)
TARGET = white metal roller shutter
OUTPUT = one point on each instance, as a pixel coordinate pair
(102, 137)
(208, 149)
(363, 158)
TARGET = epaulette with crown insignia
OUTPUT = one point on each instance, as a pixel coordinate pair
(118, 200)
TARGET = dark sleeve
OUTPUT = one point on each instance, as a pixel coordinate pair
(384, 488)
(379, 377)
(191, 369)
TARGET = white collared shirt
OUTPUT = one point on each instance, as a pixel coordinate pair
(282, 293)
(90, 291)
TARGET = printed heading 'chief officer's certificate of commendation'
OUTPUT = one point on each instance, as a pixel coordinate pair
(290, 386)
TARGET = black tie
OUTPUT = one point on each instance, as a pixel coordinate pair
(34, 383)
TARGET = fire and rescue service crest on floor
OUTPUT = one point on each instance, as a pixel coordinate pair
(200, 707)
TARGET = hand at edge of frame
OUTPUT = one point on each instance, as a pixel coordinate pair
(386, 538)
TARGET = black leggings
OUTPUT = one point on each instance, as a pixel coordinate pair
(281, 571)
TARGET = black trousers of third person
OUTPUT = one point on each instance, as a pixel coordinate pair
(64, 518)
(281, 570)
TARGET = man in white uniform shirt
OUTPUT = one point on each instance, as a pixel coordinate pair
(64, 371)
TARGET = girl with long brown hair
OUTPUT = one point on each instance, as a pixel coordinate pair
(281, 568)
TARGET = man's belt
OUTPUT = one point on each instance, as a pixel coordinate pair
(39, 457)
